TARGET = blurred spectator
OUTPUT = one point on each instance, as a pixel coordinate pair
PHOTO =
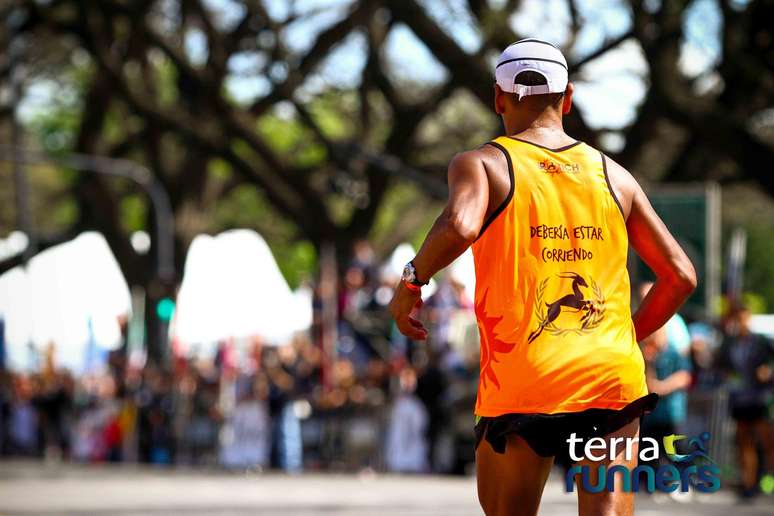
(746, 360)
(109, 413)
(286, 434)
(155, 414)
(668, 374)
(5, 408)
(53, 402)
(406, 436)
(440, 308)
(197, 401)
(363, 256)
(247, 433)
(432, 386)
(22, 433)
(354, 296)
(702, 354)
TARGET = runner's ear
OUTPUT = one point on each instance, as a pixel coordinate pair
(499, 100)
(567, 98)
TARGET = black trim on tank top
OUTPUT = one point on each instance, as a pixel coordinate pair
(508, 198)
(610, 186)
(560, 149)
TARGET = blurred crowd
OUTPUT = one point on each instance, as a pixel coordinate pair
(379, 402)
(727, 363)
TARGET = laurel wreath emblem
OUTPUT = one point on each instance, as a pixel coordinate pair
(592, 321)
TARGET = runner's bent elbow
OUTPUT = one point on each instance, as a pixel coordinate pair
(460, 226)
(683, 276)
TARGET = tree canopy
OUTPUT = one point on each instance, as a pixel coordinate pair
(233, 107)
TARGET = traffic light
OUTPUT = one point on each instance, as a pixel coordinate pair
(165, 309)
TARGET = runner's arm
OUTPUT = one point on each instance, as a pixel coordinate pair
(650, 238)
(460, 222)
(677, 381)
(452, 233)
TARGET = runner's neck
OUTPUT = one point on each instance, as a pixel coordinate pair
(544, 128)
(550, 138)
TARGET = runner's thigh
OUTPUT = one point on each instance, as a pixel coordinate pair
(618, 502)
(510, 483)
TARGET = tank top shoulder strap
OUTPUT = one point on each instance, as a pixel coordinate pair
(502, 145)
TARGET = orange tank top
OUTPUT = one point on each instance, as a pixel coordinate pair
(552, 289)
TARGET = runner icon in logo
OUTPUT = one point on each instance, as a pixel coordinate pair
(594, 309)
(698, 443)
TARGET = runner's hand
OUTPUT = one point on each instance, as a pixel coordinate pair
(403, 303)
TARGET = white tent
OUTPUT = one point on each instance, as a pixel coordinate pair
(232, 287)
(71, 295)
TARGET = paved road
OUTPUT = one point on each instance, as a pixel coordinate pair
(33, 488)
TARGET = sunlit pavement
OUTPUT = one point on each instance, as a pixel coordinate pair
(34, 488)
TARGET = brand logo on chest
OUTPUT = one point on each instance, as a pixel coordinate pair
(552, 167)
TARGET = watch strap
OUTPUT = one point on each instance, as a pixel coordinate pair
(417, 282)
(412, 286)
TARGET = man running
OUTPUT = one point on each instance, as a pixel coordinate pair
(549, 219)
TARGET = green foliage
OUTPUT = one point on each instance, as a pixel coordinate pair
(56, 127)
(165, 81)
(118, 124)
(134, 213)
(405, 215)
(747, 207)
(458, 124)
(454, 123)
(286, 136)
(334, 114)
(422, 231)
(219, 170)
(759, 266)
(297, 260)
(396, 201)
(63, 213)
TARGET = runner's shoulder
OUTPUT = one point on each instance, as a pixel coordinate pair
(480, 158)
(623, 183)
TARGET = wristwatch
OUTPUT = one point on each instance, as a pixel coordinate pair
(409, 277)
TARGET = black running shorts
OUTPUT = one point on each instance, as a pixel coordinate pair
(547, 434)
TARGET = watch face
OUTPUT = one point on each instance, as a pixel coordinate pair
(408, 273)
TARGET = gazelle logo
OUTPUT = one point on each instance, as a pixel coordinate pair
(593, 309)
(696, 468)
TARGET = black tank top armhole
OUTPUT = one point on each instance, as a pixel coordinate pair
(508, 198)
(610, 186)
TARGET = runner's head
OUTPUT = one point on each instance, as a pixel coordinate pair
(531, 75)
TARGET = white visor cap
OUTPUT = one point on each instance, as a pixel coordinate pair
(532, 55)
